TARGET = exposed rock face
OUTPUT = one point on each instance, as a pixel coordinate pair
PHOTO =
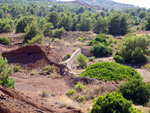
(32, 56)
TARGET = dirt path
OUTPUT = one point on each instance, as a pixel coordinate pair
(145, 74)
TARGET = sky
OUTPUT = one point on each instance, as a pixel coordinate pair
(141, 3)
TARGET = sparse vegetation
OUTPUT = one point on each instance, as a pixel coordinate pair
(16, 68)
(81, 99)
(91, 58)
(67, 56)
(110, 71)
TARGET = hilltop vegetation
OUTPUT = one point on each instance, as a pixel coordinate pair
(110, 71)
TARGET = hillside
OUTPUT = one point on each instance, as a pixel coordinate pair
(108, 4)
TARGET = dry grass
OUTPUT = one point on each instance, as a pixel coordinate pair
(66, 102)
(92, 91)
(144, 109)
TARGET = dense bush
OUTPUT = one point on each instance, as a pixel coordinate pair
(100, 39)
(47, 29)
(30, 32)
(133, 49)
(36, 40)
(5, 72)
(4, 40)
(136, 90)
(7, 28)
(112, 103)
(110, 71)
(82, 60)
(100, 50)
(57, 33)
(118, 59)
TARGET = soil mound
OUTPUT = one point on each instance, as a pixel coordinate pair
(12, 101)
(32, 56)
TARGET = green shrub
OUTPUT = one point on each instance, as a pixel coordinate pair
(57, 33)
(82, 60)
(101, 51)
(110, 71)
(36, 40)
(4, 40)
(111, 45)
(31, 31)
(115, 41)
(7, 28)
(136, 90)
(67, 56)
(5, 72)
(111, 39)
(118, 59)
(70, 92)
(81, 99)
(101, 35)
(16, 68)
(79, 39)
(79, 86)
(100, 39)
(91, 58)
(133, 49)
(112, 103)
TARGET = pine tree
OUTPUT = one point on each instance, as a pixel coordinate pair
(5, 72)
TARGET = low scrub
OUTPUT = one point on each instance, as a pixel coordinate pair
(66, 57)
(136, 90)
(110, 71)
(70, 92)
(112, 103)
(79, 86)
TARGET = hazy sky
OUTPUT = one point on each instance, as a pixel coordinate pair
(141, 3)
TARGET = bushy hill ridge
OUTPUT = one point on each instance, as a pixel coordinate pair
(108, 4)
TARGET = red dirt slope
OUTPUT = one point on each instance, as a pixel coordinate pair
(32, 56)
(12, 101)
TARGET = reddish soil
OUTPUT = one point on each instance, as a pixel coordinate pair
(32, 56)
(14, 38)
(12, 101)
